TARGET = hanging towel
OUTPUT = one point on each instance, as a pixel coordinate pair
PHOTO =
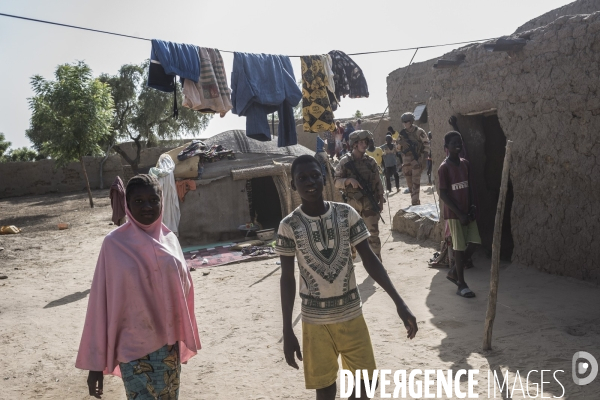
(348, 77)
(169, 59)
(183, 187)
(164, 173)
(316, 108)
(330, 82)
(260, 85)
(210, 94)
(117, 201)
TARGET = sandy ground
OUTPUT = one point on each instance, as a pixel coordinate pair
(542, 320)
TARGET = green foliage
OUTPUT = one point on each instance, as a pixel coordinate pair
(4, 145)
(21, 154)
(143, 114)
(358, 114)
(70, 115)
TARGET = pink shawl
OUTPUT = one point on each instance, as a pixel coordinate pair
(142, 298)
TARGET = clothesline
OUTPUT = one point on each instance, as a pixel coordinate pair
(229, 51)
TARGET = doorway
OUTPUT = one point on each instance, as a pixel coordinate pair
(495, 149)
(485, 142)
(265, 202)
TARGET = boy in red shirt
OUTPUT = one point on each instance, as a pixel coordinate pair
(455, 192)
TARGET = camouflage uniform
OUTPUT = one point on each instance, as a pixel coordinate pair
(412, 168)
(369, 171)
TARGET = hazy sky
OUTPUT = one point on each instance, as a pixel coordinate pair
(279, 27)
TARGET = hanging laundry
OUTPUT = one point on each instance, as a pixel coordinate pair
(260, 85)
(327, 66)
(330, 82)
(183, 187)
(210, 94)
(348, 77)
(316, 108)
(168, 59)
(164, 173)
(117, 201)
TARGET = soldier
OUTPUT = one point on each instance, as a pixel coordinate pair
(414, 145)
(346, 180)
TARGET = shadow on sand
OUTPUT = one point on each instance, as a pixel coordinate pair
(541, 321)
(68, 299)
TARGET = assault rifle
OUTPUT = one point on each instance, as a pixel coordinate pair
(412, 146)
(366, 188)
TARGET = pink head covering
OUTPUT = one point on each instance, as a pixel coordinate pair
(142, 298)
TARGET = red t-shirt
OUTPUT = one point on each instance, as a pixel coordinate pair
(455, 179)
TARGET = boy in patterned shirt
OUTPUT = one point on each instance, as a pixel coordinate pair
(320, 234)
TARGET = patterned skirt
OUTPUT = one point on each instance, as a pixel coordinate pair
(155, 376)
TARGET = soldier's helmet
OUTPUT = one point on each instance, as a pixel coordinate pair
(359, 135)
(407, 117)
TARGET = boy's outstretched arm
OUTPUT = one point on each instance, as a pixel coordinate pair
(379, 274)
(287, 285)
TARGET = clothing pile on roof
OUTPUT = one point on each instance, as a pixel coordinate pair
(261, 84)
(213, 153)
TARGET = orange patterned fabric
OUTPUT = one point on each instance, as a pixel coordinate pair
(183, 187)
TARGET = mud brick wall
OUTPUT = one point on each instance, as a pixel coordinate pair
(39, 177)
(547, 102)
(574, 8)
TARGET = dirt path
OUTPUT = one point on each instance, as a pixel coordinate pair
(542, 319)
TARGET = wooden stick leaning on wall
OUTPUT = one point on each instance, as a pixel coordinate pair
(495, 273)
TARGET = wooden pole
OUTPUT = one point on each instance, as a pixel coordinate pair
(495, 273)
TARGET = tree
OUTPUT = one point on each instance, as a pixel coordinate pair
(4, 144)
(143, 114)
(358, 114)
(70, 115)
(22, 154)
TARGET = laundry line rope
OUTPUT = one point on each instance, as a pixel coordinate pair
(229, 51)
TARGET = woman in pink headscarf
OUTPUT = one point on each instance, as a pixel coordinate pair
(140, 321)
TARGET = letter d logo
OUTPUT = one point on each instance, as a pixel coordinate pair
(582, 367)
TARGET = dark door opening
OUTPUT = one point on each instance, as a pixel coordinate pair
(265, 201)
(486, 144)
(495, 149)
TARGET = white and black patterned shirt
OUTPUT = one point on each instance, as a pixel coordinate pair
(322, 246)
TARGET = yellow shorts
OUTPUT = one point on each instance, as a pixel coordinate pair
(463, 234)
(322, 344)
